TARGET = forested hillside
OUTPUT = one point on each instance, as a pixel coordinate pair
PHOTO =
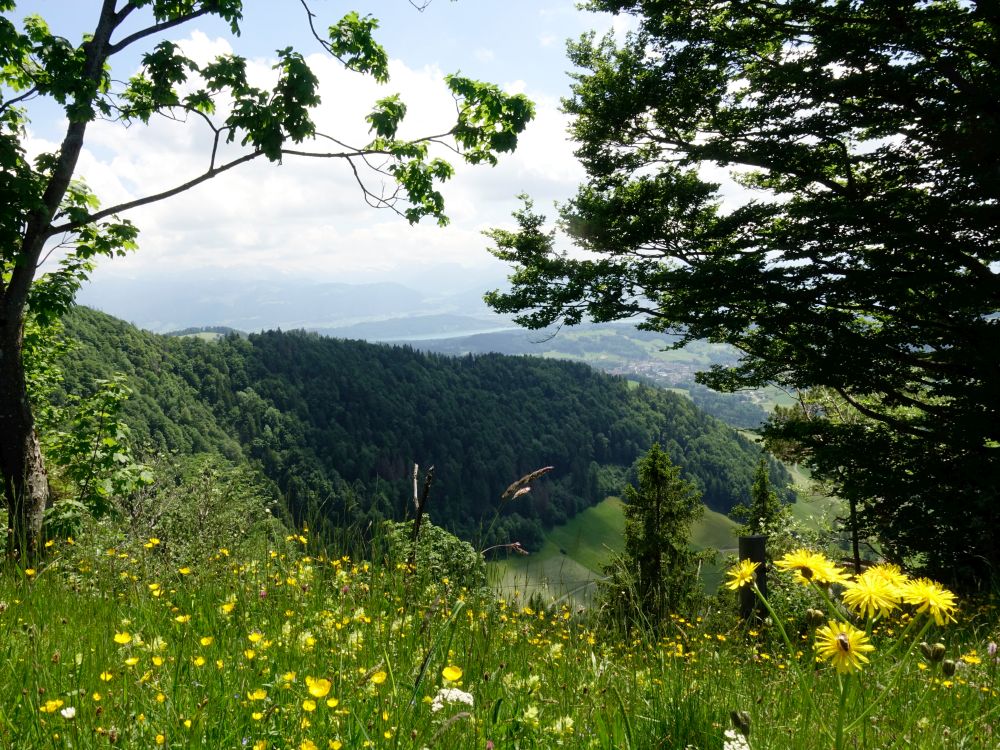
(337, 425)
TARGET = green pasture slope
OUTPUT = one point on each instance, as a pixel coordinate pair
(570, 562)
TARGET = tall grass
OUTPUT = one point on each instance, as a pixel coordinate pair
(123, 647)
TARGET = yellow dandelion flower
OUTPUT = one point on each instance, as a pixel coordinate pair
(931, 597)
(829, 572)
(802, 561)
(811, 566)
(451, 673)
(891, 574)
(318, 686)
(742, 574)
(308, 705)
(972, 658)
(843, 644)
(870, 594)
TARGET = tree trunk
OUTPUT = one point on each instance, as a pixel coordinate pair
(25, 485)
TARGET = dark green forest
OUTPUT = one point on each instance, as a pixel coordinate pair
(337, 425)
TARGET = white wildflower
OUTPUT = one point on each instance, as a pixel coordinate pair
(734, 740)
(69, 712)
(450, 695)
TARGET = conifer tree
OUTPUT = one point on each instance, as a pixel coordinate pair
(658, 572)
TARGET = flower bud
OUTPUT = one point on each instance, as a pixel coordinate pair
(937, 652)
(991, 649)
(948, 667)
(925, 649)
(815, 617)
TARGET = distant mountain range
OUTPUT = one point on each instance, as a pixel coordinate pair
(165, 305)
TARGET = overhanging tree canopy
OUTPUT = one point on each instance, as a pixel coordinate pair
(867, 138)
(42, 201)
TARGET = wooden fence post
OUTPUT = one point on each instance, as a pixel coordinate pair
(753, 548)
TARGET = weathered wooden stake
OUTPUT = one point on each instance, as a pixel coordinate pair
(753, 548)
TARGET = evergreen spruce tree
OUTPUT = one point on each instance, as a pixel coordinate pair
(766, 512)
(658, 572)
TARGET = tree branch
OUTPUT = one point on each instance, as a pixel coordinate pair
(208, 175)
(154, 29)
(26, 95)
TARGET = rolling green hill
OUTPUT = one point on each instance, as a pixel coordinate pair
(621, 349)
(574, 554)
(337, 425)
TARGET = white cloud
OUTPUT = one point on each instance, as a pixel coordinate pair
(307, 216)
(482, 54)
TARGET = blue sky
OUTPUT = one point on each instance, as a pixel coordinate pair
(307, 219)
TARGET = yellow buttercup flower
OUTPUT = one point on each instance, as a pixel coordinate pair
(379, 677)
(257, 695)
(50, 706)
(308, 705)
(742, 574)
(451, 673)
(123, 638)
(844, 645)
(318, 687)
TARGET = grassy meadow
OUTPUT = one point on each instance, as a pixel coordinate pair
(282, 646)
